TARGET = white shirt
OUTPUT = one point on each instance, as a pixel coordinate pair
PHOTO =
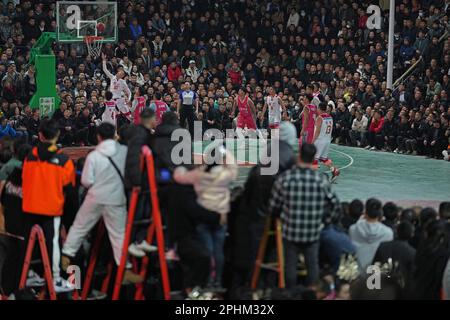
(110, 113)
(101, 178)
(273, 104)
(360, 125)
(118, 87)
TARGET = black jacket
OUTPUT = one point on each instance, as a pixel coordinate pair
(389, 128)
(184, 213)
(401, 252)
(163, 147)
(140, 137)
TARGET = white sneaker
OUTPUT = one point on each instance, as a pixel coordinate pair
(396, 151)
(135, 251)
(34, 280)
(446, 155)
(146, 247)
(373, 149)
(61, 285)
(367, 147)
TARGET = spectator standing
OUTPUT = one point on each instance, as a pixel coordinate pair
(103, 177)
(302, 213)
(46, 174)
(212, 186)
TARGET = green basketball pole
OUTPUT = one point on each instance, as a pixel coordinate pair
(46, 97)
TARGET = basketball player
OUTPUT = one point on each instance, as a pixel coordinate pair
(274, 104)
(322, 140)
(138, 104)
(111, 110)
(246, 107)
(159, 106)
(309, 115)
(119, 89)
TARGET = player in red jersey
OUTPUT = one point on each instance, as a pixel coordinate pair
(246, 107)
(159, 106)
(138, 104)
(309, 115)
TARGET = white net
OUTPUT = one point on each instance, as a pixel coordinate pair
(94, 46)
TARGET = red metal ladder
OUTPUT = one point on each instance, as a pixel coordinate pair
(274, 266)
(155, 227)
(36, 231)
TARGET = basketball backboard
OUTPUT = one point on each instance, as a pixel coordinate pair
(78, 19)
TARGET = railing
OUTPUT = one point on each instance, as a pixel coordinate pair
(407, 74)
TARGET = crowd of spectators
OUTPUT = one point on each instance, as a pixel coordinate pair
(221, 45)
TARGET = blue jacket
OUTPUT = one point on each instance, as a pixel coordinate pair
(7, 131)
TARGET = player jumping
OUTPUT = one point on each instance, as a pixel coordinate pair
(322, 140)
(119, 89)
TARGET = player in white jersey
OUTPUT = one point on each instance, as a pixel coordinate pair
(274, 105)
(111, 111)
(322, 139)
(119, 89)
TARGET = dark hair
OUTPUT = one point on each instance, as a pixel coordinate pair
(390, 211)
(22, 151)
(157, 95)
(356, 209)
(106, 131)
(309, 97)
(147, 113)
(108, 95)
(125, 133)
(323, 106)
(170, 118)
(444, 210)
(373, 208)
(434, 238)
(405, 230)
(49, 129)
(427, 214)
(307, 153)
(407, 215)
(17, 143)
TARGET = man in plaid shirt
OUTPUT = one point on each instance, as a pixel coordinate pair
(303, 197)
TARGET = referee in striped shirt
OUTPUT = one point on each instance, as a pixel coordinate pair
(303, 198)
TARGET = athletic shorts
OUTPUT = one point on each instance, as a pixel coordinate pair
(307, 137)
(246, 121)
(322, 149)
(274, 125)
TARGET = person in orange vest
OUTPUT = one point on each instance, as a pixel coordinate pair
(46, 175)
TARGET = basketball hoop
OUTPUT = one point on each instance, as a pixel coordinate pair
(94, 45)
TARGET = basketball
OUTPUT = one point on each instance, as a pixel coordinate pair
(101, 27)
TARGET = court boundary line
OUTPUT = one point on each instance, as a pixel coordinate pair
(346, 155)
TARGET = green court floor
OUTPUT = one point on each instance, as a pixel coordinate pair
(405, 179)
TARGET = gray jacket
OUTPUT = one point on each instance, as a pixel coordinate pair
(367, 237)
